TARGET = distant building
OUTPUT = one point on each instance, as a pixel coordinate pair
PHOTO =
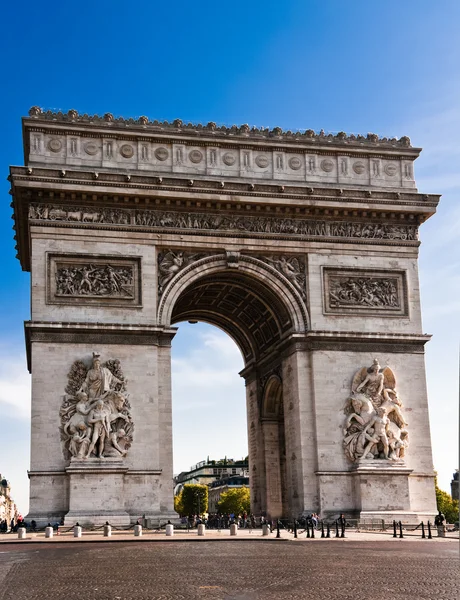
(454, 486)
(8, 509)
(218, 487)
(207, 471)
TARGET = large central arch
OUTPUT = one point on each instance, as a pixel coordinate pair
(302, 247)
(259, 309)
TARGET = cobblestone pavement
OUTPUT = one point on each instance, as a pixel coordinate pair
(224, 570)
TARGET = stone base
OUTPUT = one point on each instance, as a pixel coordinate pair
(96, 492)
(97, 518)
(382, 490)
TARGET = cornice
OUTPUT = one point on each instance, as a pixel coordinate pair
(94, 333)
(238, 132)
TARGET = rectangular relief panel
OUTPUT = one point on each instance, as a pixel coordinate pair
(93, 279)
(365, 292)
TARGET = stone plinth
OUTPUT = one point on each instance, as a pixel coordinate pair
(96, 492)
(382, 490)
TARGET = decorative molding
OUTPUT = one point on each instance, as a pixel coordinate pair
(94, 279)
(72, 118)
(100, 334)
(365, 292)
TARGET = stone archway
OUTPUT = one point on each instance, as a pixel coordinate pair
(258, 307)
(302, 247)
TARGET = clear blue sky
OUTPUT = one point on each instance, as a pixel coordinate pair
(388, 67)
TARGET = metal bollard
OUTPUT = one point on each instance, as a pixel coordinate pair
(107, 530)
(77, 531)
(328, 534)
(343, 530)
(278, 530)
(400, 530)
(337, 529)
(22, 533)
(138, 530)
(429, 531)
(200, 529)
(322, 529)
(169, 530)
(295, 529)
(48, 531)
(423, 531)
(394, 529)
(233, 529)
(308, 530)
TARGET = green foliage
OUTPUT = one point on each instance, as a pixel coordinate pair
(193, 500)
(178, 504)
(447, 506)
(237, 501)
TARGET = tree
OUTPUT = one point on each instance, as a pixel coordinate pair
(236, 501)
(178, 504)
(193, 499)
(447, 505)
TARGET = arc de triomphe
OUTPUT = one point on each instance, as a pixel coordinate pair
(301, 246)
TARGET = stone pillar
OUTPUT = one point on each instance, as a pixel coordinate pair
(300, 432)
(274, 502)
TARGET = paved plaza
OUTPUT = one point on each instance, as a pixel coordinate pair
(380, 568)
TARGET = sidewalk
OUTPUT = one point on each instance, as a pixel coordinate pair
(220, 535)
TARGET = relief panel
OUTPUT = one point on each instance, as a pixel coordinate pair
(362, 292)
(93, 279)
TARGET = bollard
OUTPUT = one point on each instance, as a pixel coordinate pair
(308, 529)
(423, 531)
(441, 531)
(394, 529)
(22, 533)
(77, 531)
(328, 534)
(322, 529)
(233, 529)
(278, 530)
(107, 530)
(295, 529)
(138, 530)
(265, 529)
(48, 532)
(169, 529)
(343, 530)
(312, 530)
(429, 531)
(336, 529)
(200, 529)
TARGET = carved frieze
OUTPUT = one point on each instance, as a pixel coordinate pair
(359, 291)
(95, 412)
(93, 279)
(375, 428)
(305, 228)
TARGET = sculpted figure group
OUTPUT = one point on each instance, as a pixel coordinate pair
(95, 415)
(374, 427)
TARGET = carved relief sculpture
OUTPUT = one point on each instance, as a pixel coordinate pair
(375, 427)
(292, 268)
(216, 222)
(95, 413)
(170, 263)
(95, 280)
(364, 291)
